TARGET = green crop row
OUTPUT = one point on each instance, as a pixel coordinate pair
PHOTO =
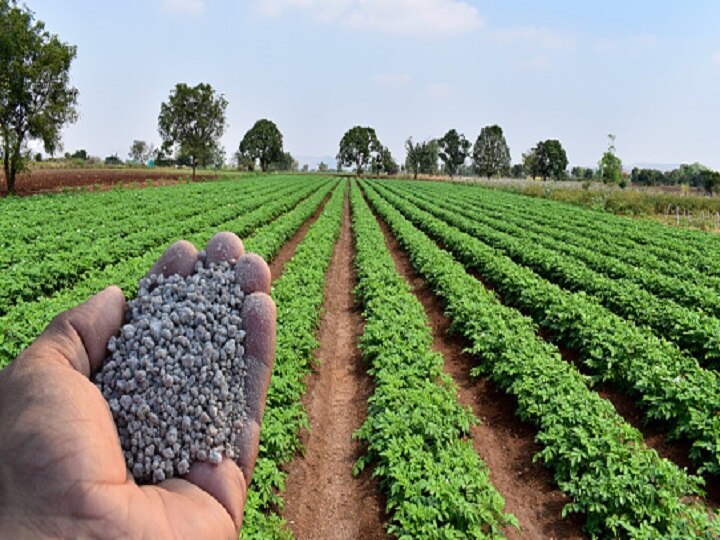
(436, 485)
(604, 251)
(691, 248)
(52, 229)
(692, 330)
(675, 390)
(624, 489)
(299, 295)
(27, 319)
(29, 280)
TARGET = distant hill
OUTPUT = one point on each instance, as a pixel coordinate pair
(664, 167)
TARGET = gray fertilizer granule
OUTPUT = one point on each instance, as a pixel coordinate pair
(175, 375)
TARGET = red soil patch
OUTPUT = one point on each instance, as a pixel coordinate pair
(322, 498)
(52, 180)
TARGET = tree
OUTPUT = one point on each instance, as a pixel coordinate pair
(421, 157)
(263, 142)
(388, 163)
(141, 151)
(358, 147)
(413, 156)
(517, 171)
(610, 166)
(582, 173)
(710, 181)
(454, 149)
(193, 120)
(547, 160)
(491, 155)
(80, 154)
(285, 163)
(36, 98)
(323, 167)
(113, 160)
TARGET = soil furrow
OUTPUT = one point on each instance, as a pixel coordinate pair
(505, 443)
(322, 498)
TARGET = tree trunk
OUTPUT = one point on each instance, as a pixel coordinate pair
(194, 165)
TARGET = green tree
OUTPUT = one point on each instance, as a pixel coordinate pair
(141, 151)
(547, 160)
(421, 157)
(323, 167)
(285, 162)
(36, 98)
(263, 142)
(610, 166)
(582, 173)
(193, 120)
(80, 154)
(710, 181)
(358, 147)
(413, 156)
(517, 171)
(491, 155)
(454, 149)
(389, 165)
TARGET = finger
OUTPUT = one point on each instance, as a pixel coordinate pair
(253, 274)
(258, 316)
(224, 247)
(81, 335)
(225, 482)
(180, 258)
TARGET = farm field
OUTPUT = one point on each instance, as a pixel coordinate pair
(452, 361)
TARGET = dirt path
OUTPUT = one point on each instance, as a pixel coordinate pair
(502, 441)
(322, 498)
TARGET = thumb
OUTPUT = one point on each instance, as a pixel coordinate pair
(80, 335)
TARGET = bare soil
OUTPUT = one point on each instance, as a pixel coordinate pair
(322, 498)
(505, 443)
(54, 180)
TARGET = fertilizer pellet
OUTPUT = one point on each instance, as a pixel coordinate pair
(175, 374)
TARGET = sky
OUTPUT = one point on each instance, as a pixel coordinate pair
(647, 71)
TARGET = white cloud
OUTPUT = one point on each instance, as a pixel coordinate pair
(192, 7)
(401, 17)
(716, 58)
(534, 36)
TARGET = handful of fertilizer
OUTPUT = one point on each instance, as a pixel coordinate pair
(175, 375)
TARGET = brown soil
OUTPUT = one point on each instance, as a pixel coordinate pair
(288, 250)
(322, 498)
(505, 443)
(53, 180)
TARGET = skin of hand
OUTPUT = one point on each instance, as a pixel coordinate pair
(62, 471)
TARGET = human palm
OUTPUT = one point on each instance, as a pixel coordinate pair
(62, 470)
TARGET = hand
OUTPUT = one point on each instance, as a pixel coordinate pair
(62, 471)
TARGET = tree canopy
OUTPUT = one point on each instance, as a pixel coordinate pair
(610, 166)
(141, 151)
(454, 149)
(491, 154)
(264, 143)
(358, 147)
(192, 121)
(36, 98)
(547, 160)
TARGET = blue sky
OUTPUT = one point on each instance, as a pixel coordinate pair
(647, 71)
